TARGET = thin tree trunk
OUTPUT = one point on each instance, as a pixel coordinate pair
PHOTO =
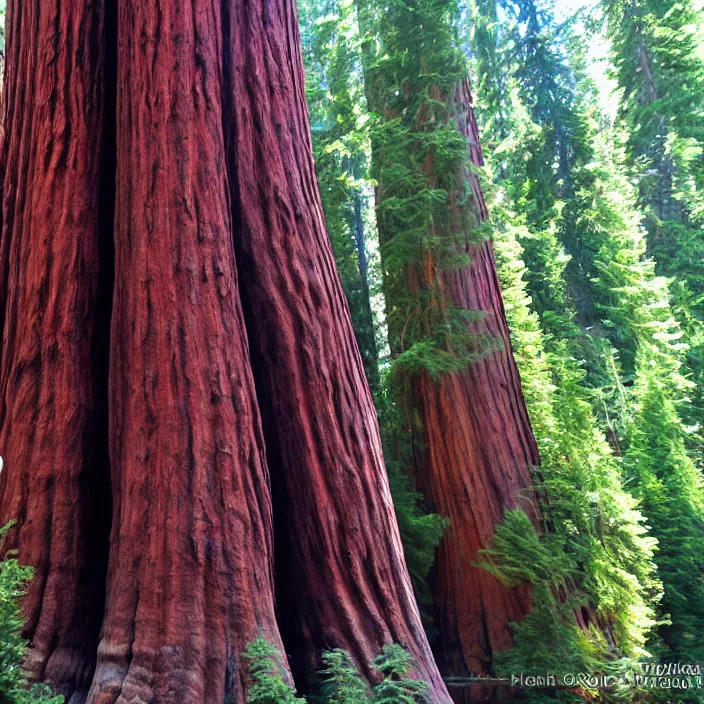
(475, 446)
(364, 325)
(343, 581)
(190, 578)
(480, 451)
(54, 245)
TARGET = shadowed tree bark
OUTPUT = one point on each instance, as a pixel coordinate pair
(54, 313)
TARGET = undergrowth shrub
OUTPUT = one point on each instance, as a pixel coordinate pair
(14, 688)
(341, 682)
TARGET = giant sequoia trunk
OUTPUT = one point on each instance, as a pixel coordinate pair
(480, 452)
(226, 310)
(476, 445)
(190, 578)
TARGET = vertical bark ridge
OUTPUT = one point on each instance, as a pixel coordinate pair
(190, 578)
(340, 560)
(50, 402)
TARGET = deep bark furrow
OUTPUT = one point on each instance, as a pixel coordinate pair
(53, 483)
(190, 576)
(345, 577)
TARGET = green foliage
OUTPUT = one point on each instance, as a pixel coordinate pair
(595, 551)
(37, 694)
(341, 682)
(669, 486)
(534, 653)
(13, 685)
(421, 531)
(413, 64)
(661, 75)
(608, 320)
(519, 555)
(395, 664)
(269, 677)
(429, 357)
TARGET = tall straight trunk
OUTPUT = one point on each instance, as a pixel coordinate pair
(190, 578)
(364, 323)
(475, 448)
(480, 451)
(342, 576)
(54, 313)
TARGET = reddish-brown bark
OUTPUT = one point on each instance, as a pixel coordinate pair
(190, 577)
(53, 321)
(343, 580)
(480, 451)
(476, 443)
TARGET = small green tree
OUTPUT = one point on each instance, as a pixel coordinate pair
(669, 485)
(13, 685)
(268, 683)
(595, 550)
(342, 682)
(396, 687)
